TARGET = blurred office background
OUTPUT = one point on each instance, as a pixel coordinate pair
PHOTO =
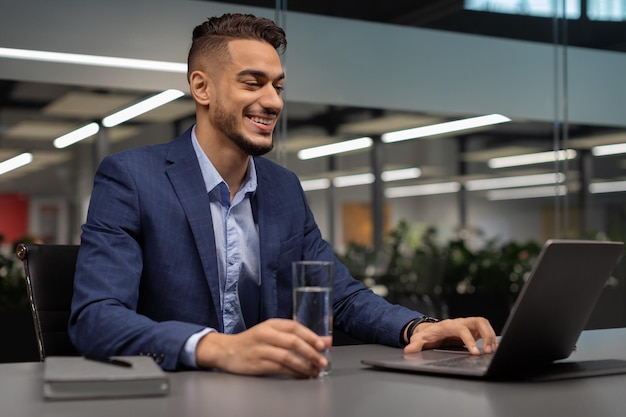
(430, 221)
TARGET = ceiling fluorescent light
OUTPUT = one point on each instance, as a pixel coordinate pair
(335, 148)
(425, 189)
(401, 174)
(517, 181)
(607, 187)
(613, 149)
(522, 193)
(360, 179)
(351, 180)
(100, 61)
(316, 184)
(531, 158)
(446, 127)
(16, 162)
(76, 135)
(141, 107)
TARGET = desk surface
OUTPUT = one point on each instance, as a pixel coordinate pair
(351, 390)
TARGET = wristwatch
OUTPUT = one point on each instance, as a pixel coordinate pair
(417, 322)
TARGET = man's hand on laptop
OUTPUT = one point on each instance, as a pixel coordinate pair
(454, 332)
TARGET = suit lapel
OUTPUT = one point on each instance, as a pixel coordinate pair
(265, 216)
(186, 178)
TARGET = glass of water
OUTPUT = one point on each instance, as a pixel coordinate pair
(313, 299)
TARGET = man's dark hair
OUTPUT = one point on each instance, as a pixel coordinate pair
(210, 39)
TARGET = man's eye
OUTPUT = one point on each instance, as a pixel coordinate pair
(279, 88)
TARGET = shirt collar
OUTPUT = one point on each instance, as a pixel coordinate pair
(212, 178)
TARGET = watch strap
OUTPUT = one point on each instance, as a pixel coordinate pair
(413, 325)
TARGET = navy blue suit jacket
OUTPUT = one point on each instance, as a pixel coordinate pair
(147, 275)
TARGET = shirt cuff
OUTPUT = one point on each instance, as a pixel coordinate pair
(188, 355)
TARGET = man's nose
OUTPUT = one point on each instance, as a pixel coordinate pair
(272, 99)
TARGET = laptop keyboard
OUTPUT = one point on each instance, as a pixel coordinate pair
(463, 362)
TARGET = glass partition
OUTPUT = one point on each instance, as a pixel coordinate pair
(428, 219)
(469, 210)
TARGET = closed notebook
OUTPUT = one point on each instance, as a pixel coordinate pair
(74, 377)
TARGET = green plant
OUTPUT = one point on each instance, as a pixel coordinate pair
(408, 263)
(360, 260)
(413, 262)
(493, 268)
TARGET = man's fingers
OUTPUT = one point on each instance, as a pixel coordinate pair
(277, 346)
(488, 335)
(280, 361)
(467, 338)
(416, 345)
(455, 331)
(289, 348)
(303, 332)
(294, 337)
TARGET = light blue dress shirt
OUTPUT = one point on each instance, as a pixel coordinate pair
(237, 243)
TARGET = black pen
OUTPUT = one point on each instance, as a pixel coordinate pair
(110, 361)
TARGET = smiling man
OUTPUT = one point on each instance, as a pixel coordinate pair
(187, 249)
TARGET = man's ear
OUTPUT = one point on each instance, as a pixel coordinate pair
(199, 87)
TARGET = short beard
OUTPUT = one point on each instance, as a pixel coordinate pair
(227, 123)
(248, 146)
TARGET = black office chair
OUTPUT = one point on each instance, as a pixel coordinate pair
(49, 271)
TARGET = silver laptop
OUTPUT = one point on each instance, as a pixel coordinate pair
(544, 324)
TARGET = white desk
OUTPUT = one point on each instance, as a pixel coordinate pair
(351, 390)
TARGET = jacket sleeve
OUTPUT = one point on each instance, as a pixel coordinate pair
(104, 318)
(357, 310)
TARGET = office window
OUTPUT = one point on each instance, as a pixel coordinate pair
(611, 10)
(539, 8)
